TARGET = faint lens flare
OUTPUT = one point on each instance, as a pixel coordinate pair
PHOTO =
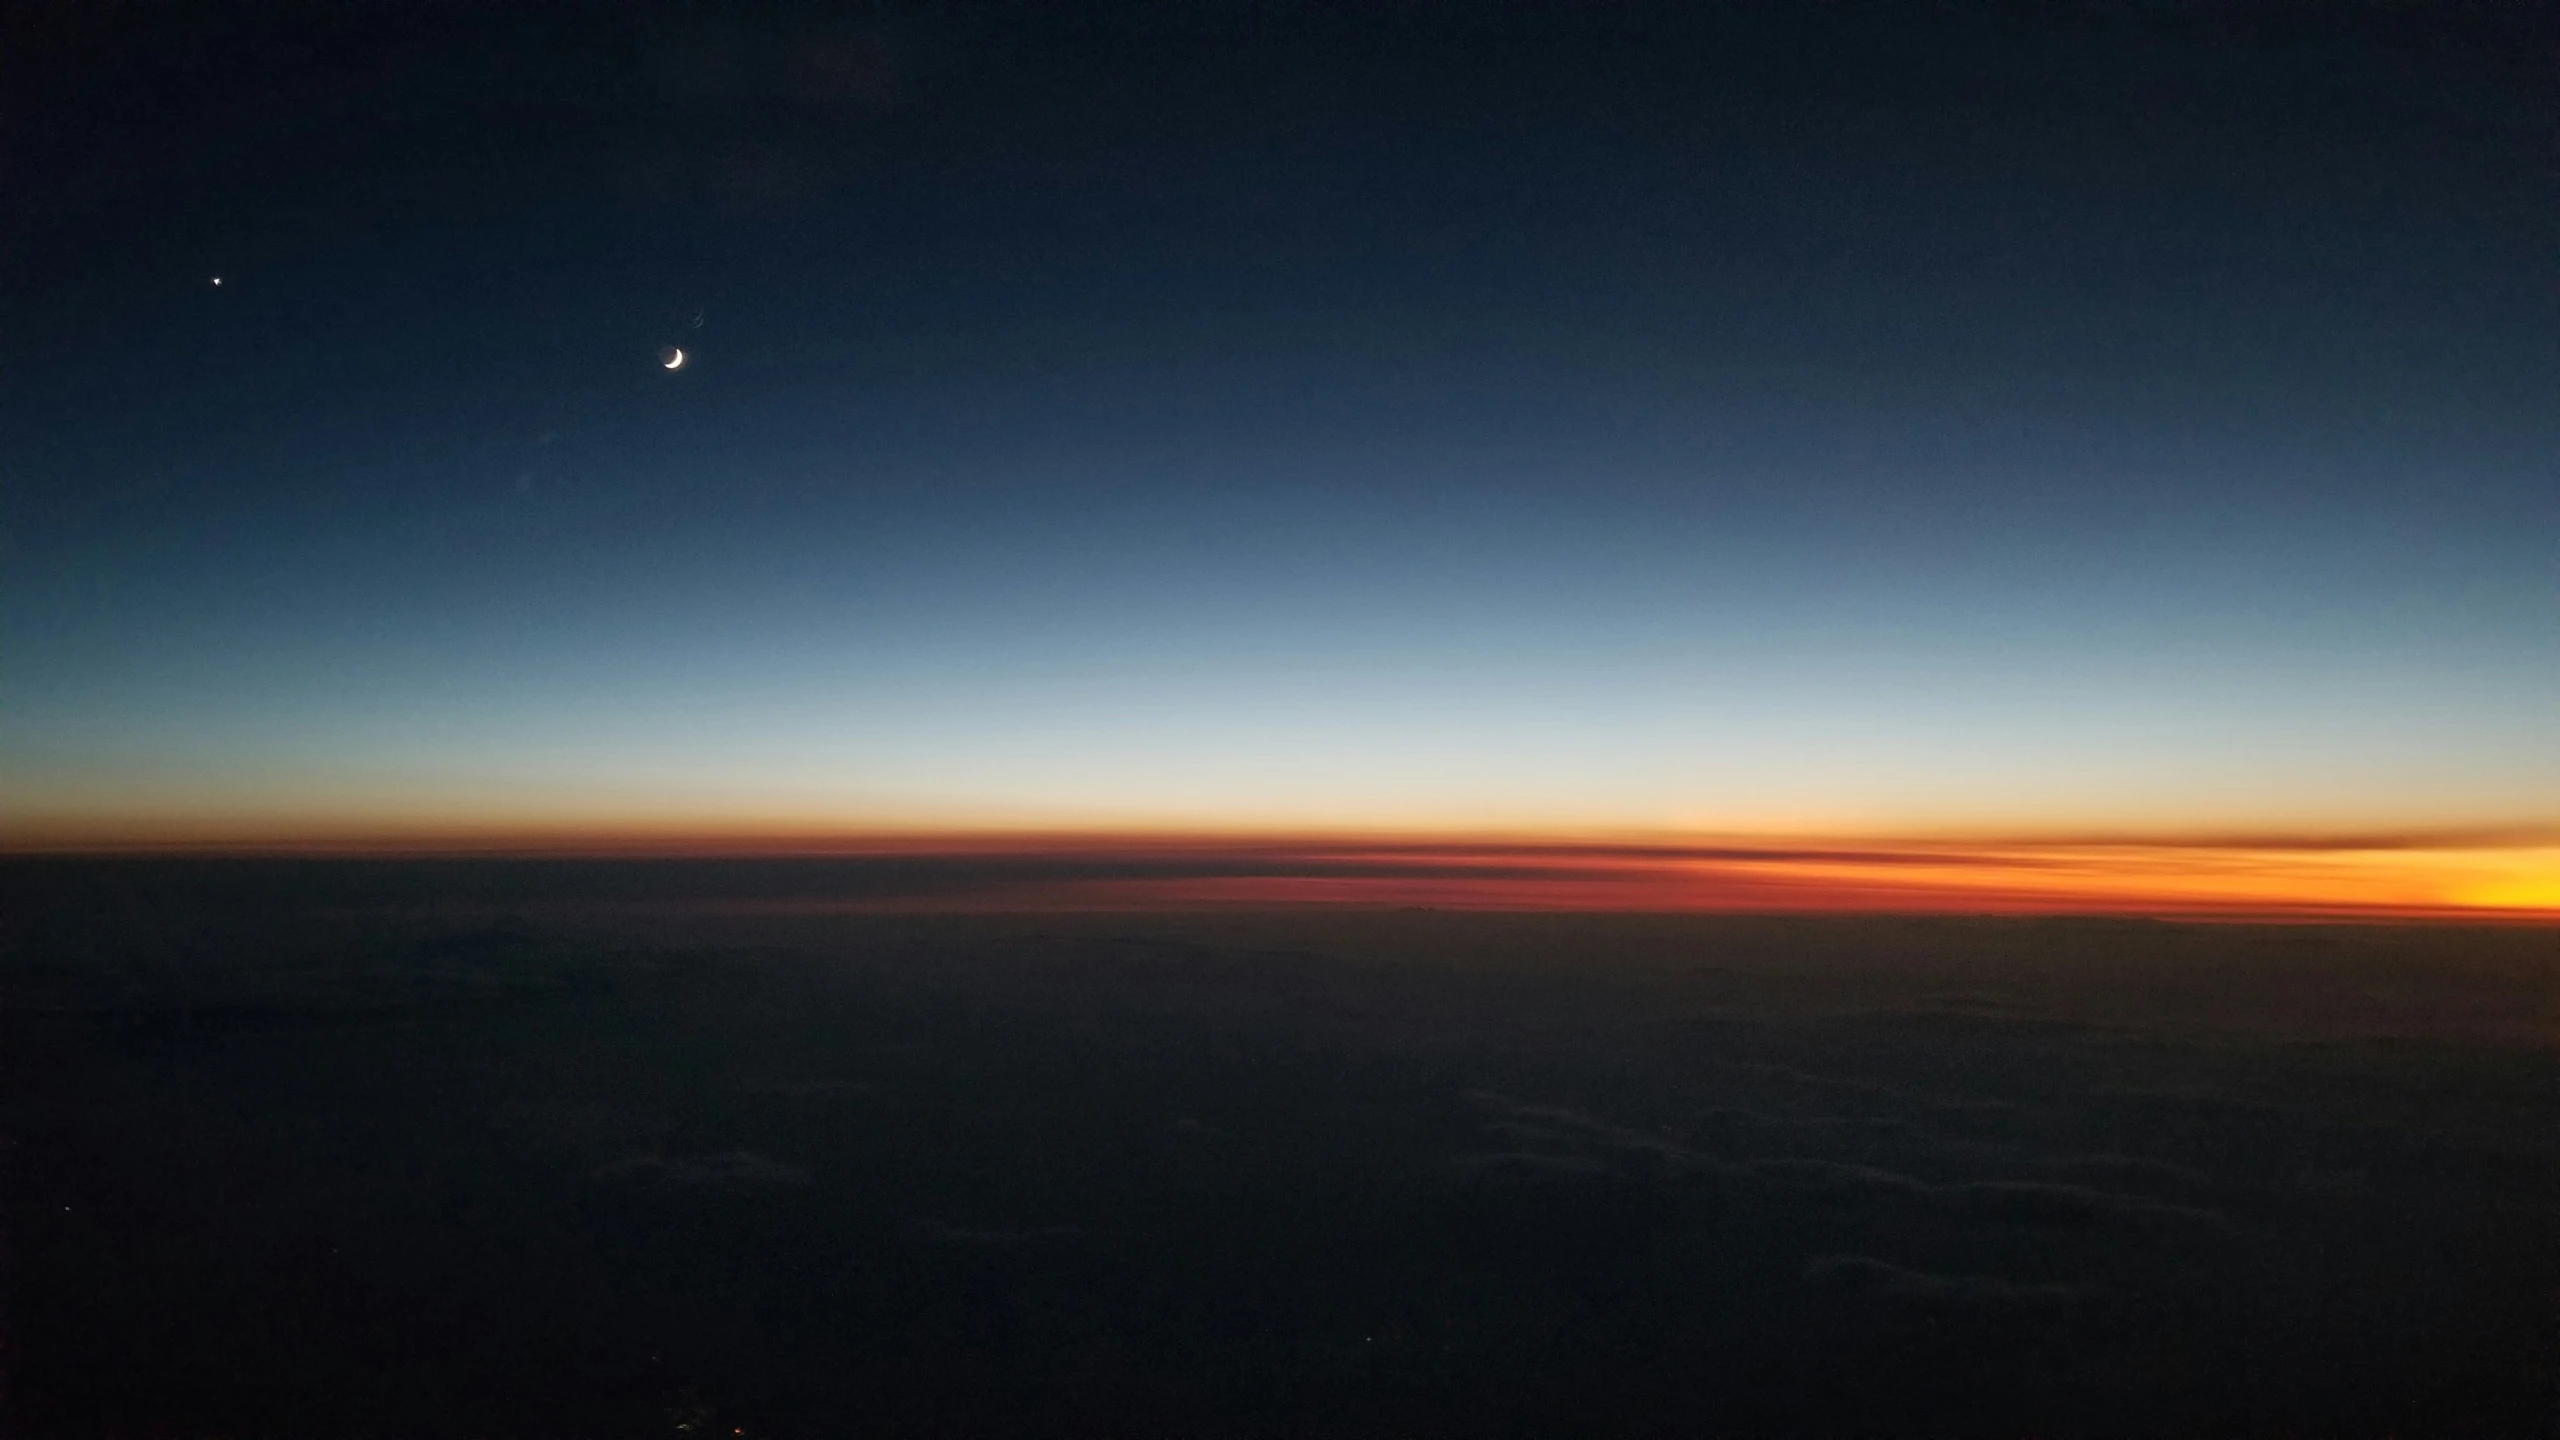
(671, 357)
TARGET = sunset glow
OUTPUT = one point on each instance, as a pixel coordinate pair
(2378, 877)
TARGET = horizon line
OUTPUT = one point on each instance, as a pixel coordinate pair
(2505, 875)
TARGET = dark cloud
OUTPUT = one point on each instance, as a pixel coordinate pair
(807, 1089)
(1554, 1142)
(2127, 1170)
(2041, 1203)
(1554, 1129)
(1892, 1285)
(1028, 1238)
(1903, 1094)
(1736, 1117)
(2025, 1202)
(730, 1172)
(2188, 1100)
(1532, 1167)
(1829, 1178)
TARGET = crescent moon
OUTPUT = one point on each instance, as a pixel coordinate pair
(675, 358)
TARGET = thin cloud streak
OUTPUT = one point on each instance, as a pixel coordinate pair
(2313, 876)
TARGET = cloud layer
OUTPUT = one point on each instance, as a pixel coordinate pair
(2378, 876)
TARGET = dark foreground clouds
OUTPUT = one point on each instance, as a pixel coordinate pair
(1359, 1173)
(1892, 1285)
(1556, 1142)
(729, 1172)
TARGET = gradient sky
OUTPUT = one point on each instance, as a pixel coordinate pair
(1830, 421)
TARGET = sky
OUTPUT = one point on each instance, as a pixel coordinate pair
(1998, 432)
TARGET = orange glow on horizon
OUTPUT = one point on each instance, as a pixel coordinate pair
(2511, 877)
